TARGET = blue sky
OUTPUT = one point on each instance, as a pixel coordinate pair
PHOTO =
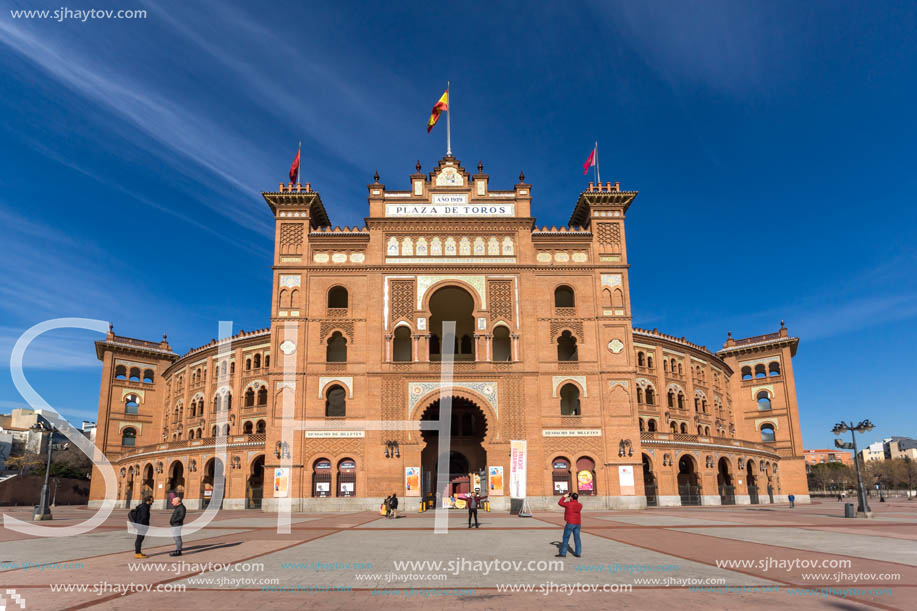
(772, 144)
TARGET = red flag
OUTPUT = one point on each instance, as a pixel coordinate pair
(589, 162)
(294, 169)
(441, 104)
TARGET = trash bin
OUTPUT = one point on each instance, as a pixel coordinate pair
(848, 510)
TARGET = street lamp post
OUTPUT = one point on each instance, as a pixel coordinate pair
(42, 511)
(839, 429)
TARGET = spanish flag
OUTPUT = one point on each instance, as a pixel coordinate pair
(441, 105)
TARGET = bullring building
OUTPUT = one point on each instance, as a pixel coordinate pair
(553, 388)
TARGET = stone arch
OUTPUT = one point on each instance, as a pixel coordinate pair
(492, 433)
(560, 381)
(455, 282)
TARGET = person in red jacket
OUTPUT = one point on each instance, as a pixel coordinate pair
(572, 511)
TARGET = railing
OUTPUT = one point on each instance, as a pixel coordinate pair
(142, 343)
(756, 339)
(186, 443)
(705, 439)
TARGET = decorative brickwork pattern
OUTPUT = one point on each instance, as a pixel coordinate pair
(402, 299)
(513, 411)
(291, 238)
(558, 326)
(501, 299)
(573, 447)
(609, 235)
(393, 405)
(342, 324)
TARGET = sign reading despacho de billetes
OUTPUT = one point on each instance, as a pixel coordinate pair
(450, 204)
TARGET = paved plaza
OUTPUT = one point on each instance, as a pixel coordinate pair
(355, 560)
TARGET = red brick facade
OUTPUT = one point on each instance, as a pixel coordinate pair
(544, 352)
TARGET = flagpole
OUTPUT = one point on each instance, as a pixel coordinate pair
(449, 122)
(598, 175)
(299, 167)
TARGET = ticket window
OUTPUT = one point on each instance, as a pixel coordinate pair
(347, 478)
(585, 476)
(561, 476)
(321, 478)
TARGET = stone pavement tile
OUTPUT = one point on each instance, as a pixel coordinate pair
(63, 549)
(381, 549)
(259, 522)
(689, 545)
(639, 600)
(456, 520)
(859, 545)
(908, 532)
(663, 520)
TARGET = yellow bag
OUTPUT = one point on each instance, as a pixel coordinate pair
(382, 509)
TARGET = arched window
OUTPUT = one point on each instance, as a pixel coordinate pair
(707, 430)
(216, 403)
(132, 404)
(337, 297)
(335, 402)
(641, 425)
(649, 362)
(684, 428)
(703, 406)
(671, 398)
(223, 368)
(746, 373)
(120, 372)
(321, 477)
(347, 477)
(249, 397)
(560, 475)
(227, 401)
(191, 434)
(248, 364)
(569, 400)
(262, 395)
(232, 368)
(336, 351)
(267, 360)
(767, 432)
(213, 431)
(640, 397)
(764, 401)
(135, 374)
(563, 297)
(773, 369)
(502, 345)
(225, 429)
(129, 438)
(401, 345)
(681, 370)
(247, 428)
(681, 401)
(641, 359)
(760, 371)
(256, 361)
(665, 365)
(148, 376)
(651, 425)
(261, 426)
(674, 427)
(697, 404)
(650, 395)
(566, 347)
(673, 367)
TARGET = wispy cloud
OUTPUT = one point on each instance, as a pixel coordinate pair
(55, 351)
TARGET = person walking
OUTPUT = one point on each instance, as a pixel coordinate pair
(393, 506)
(176, 522)
(573, 518)
(792, 499)
(474, 502)
(139, 516)
(387, 505)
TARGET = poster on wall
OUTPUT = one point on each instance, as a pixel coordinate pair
(412, 481)
(584, 481)
(281, 482)
(560, 487)
(626, 479)
(475, 481)
(495, 481)
(517, 460)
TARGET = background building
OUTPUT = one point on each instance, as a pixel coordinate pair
(545, 352)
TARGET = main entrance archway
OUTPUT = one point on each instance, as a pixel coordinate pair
(724, 482)
(467, 456)
(688, 483)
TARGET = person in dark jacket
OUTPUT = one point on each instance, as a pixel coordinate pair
(474, 502)
(573, 519)
(393, 505)
(176, 522)
(141, 522)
